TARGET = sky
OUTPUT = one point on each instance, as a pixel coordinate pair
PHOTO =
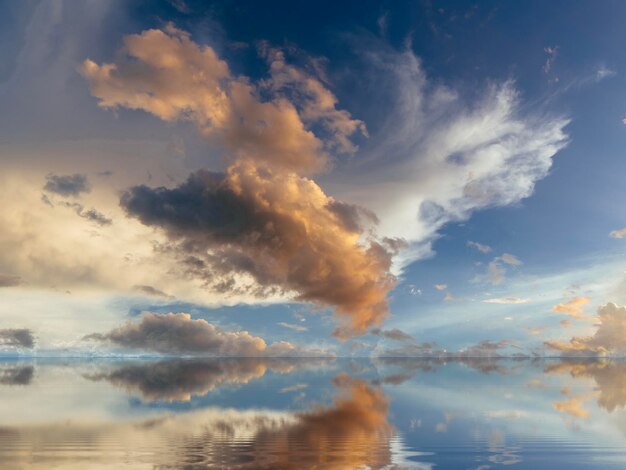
(312, 178)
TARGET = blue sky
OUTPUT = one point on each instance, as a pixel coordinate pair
(437, 154)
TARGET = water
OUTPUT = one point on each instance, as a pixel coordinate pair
(312, 413)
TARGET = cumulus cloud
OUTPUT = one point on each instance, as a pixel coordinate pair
(479, 246)
(609, 338)
(165, 73)
(506, 300)
(67, 185)
(280, 229)
(393, 334)
(7, 280)
(178, 333)
(622, 232)
(17, 338)
(573, 307)
(261, 218)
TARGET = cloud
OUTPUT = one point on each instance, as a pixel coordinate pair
(441, 286)
(604, 72)
(510, 259)
(152, 291)
(67, 185)
(506, 300)
(609, 338)
(479, 246)
(393, 334)
(434, 157)
(7, 280)
(551, 52)
(291, 326)
(573, 307)
(178, 333)
(166, 74)
(261, 218)
(91, 215)
(622, 232)
(181, 379)
(17, 338)
(280, 229)
(496, 270)
(294, 388)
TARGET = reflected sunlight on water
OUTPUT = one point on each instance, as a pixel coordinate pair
(300, 413)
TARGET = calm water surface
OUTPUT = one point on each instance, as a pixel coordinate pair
(312, 413)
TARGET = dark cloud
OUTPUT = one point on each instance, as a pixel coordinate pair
(18, 338)
(67, 185)
(180, 380)
(17, 375)
(153, 291)
(280, 229)
(7, 280)
(394, 334)
(90, 214)
(178, 333)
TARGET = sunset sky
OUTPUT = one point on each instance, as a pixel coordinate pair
(312, 178)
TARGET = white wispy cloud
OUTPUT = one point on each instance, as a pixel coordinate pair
(479, 246)
(621, 233)
(506, 300)
(291, 326)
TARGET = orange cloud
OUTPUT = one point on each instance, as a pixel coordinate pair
(609, 338)
(165, 73)
(573, 307)
(262, 218)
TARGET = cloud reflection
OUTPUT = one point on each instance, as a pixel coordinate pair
(352, 432)
(182, 379)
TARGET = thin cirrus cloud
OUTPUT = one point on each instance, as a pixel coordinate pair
(506, 300)
(435, 157)
(291, 326)
(479, 246)
(179, 333)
